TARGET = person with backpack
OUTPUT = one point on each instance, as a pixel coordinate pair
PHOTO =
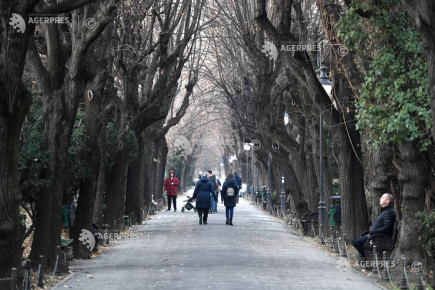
(201, 194)
(230, 191)
(171, 184)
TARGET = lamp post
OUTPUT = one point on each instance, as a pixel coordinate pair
(283, 196)
(258, 186)
(247, 147)
(269, 181)
(327, 86)
(253, 174)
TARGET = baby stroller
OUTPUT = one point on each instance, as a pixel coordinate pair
(188, 205)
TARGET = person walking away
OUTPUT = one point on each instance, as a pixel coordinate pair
(230, 191)
(384, 223)
(201, 194)
(238, 181)
(213, 181)
(171, 184)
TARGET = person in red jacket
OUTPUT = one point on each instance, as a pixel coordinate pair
(171, 184)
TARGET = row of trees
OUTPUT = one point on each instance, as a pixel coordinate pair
(377, 124)
(100, 100)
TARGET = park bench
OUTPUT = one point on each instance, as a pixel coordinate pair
(382, 243)
(66, 246)
(307, 220)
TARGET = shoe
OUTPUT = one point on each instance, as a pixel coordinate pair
(168, 209)
(228, 221)
(205, 223)
(175, 210)
(231, 222)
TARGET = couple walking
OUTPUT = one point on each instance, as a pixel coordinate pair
(202, 191)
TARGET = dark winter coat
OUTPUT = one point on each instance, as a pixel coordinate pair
(202, 193)
(384, 223)
(213, 181)
(171, 185)
(238, 180)
(230, 201)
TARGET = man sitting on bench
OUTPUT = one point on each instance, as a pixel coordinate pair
(384, 223)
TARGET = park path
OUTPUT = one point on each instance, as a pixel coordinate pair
(172, 251)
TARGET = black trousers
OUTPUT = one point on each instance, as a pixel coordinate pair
(203, 212)
(358, 243)
(174, 198)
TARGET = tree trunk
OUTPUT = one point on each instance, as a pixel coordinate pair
(162, 153)
(98, 217)
(381, 178)
(150, 169)
(58, 125)
(10, 197)
(115, 189)
(354, 214)
(83, 218)
(15, 102)
(134, 197)
(413, 172)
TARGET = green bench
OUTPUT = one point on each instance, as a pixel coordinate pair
(66, 246)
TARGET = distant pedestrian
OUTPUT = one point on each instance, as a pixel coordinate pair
(238, 181)
(202, 196)
(214, 181)
(230, 191)
(171, 184)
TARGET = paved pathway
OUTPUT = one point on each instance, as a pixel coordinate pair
(172, 251)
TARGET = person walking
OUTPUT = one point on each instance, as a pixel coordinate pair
(229, 192)
(171, 184)
(238, 181)
(213, 181)
(201, 194)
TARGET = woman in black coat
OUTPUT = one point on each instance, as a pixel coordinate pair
(202, 195)
(230, 191)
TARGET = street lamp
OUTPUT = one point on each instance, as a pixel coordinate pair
(247, 147)
(253, 172)
(326, 83)
(286, 118)
(283, 196)
(327, 86)
(269, 181)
